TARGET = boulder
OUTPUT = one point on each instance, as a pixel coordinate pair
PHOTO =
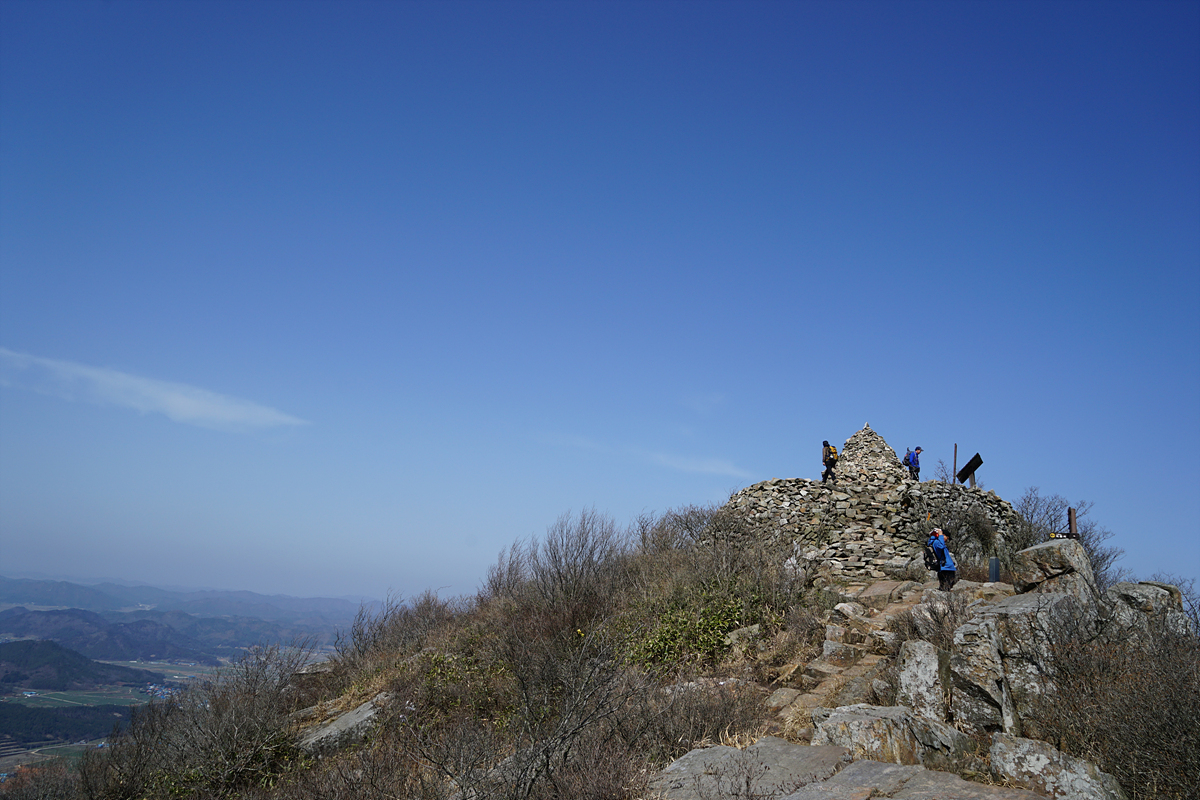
(923, 679)
(936, 612)
(1135, 606)
(1041, 767)
(1059, 565)
(892, 733)
(840, 654)
(782, 698)
(743, 639)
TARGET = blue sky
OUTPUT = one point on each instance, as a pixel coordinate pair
(344, 298)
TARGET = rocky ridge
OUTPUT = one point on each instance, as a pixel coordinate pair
(969, 709)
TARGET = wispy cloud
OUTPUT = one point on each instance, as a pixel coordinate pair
(176, 401)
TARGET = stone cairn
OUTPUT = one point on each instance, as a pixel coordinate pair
(869, 523)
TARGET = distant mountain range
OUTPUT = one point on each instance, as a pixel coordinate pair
(95, 637)
(113, 597)
(51, 667)
(129, 623)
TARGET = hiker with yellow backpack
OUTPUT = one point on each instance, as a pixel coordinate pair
(829, 458)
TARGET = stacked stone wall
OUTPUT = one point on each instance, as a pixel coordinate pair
(871, 522)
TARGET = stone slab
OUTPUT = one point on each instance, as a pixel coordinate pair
(873, 779)
(771, 766)
(782, 697)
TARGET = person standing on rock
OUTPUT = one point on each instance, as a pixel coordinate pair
(912, 460)
(947, 571)
(829, 458)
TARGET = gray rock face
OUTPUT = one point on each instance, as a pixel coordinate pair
(343, 730)
(1041, 767)
(1136, 606)
(922, 687)
(769, 768)
(872, 779)
(1002, 661)
(891, 733)
(981, 701)
(1059, 565)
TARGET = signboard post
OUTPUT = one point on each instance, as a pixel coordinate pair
(968, 470)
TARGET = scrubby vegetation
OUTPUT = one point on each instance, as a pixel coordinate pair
(587, 660)
(1131, 704)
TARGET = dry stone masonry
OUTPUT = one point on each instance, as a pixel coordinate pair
(870, 523)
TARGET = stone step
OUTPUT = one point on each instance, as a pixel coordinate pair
(786, 672)
(782, 698)
(841, 654)
(820, 670)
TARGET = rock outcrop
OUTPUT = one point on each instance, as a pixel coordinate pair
(1040, 766)
(343, 729)
(770, 767)
(1136, 606)
(1059, 565)
(777, 769)
(969, 709)
(892, 733)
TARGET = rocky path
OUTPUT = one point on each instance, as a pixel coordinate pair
(857, 641)
(856, 650)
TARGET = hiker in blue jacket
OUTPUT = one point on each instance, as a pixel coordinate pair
(912, 460)
(947, 571)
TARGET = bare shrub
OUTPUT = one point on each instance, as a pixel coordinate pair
(572, 703)
(394, 629)
(508, 576)
(1129, 705)
(800, 639)
(1041, 517)
(51, 780)
(214, 739)
(675, 529)
(680, 717)
(575, 561)
(934, 622)
(577, 568)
